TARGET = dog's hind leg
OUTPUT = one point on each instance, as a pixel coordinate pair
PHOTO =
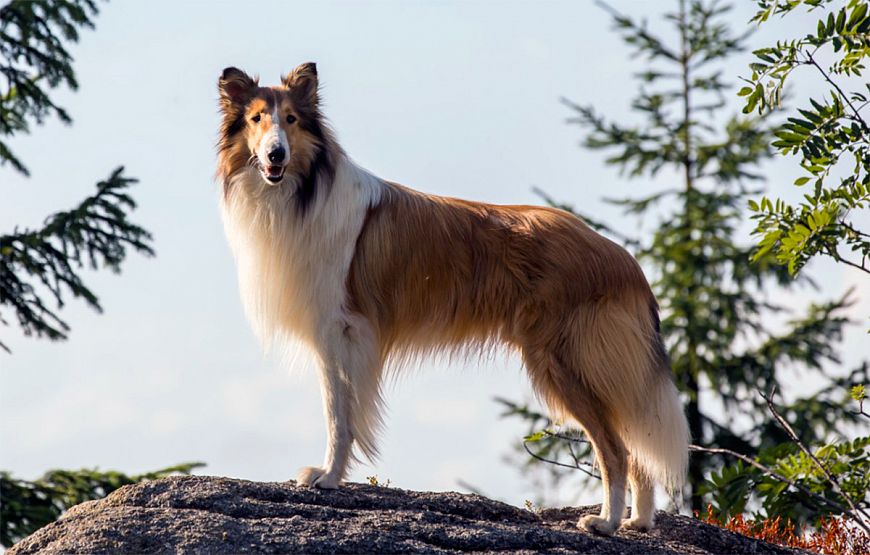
(565, 392)
(612, 459)
(642, 499)
(350, 384)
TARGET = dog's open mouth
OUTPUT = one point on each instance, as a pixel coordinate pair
(273, 173)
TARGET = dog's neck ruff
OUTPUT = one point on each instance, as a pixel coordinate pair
(293, 259)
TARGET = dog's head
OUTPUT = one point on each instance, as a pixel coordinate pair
(277, 130)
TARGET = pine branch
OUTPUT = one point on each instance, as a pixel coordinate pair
(637, 34)
(33, 59)
(96, 233)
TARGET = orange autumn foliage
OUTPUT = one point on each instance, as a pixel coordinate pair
(832, 536)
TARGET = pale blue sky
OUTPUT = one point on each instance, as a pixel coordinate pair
(453, 98)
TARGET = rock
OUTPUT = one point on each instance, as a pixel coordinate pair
(200, 514)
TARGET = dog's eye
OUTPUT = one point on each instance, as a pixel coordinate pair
(291, 118)
(256, 119)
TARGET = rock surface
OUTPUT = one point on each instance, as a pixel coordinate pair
(200, 514)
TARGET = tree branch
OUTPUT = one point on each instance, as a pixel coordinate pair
(557, 463)
(769, 472)
(833, 254)
(839, 90)
(858, 515)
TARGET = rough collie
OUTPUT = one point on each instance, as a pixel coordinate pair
(367, 273)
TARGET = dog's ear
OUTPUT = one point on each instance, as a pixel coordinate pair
(235, 86)
(302, 82)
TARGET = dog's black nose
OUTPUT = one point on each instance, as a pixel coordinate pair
(277, 154)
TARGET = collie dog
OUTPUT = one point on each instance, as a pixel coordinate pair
(368, 273)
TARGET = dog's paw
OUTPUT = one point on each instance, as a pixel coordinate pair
(308, 475)
(327, 481)
(316, 477)
(638, 524)
(596, 525)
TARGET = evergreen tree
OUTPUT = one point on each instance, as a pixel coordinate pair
(715, 303)
(35, 263)
(46, 262)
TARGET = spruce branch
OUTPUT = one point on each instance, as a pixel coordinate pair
(96, 233)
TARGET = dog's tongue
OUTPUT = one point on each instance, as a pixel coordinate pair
(275, 171)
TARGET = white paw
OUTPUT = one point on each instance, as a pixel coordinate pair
(327, 481)
(597, 525)
(316, 477)
(639, 524)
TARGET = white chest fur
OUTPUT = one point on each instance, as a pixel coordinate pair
(293, 266)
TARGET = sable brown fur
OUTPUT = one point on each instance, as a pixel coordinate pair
(482, 270)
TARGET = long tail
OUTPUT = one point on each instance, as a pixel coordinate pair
(659, 440)
(628, 368)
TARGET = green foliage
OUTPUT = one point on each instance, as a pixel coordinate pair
(789, 484)
(33, 58)
(830, 135)
(97, 232)
(374, 481)
(28, 506)
(717, 305)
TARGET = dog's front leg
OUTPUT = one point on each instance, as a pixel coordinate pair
(336, 401)
(349, 382)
